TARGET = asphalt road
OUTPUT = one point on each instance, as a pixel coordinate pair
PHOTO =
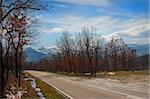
(77, 90)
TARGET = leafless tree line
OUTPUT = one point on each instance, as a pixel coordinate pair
(88, 52)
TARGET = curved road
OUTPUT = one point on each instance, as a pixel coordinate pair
(77, 90)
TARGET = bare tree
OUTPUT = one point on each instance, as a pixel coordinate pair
(87, 42)
(65, 47)
(97, 53)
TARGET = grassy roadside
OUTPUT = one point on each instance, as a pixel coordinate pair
(48, 91)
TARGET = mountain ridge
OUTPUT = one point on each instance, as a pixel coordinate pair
(33, 55)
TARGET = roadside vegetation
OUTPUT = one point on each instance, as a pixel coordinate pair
(107, 74)
(48, 91)
(123, 73)
(16, 32)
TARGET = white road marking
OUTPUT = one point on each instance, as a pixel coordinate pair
(59, 90)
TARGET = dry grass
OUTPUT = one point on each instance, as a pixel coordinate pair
(104, 74)
(70, 74)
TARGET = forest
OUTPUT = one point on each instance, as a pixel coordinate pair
(88, 52)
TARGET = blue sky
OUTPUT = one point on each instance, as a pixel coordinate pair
(126, 18)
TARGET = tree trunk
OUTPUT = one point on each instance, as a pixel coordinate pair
(2, 70)
(1, 56)
(20, 67)
(16, 63)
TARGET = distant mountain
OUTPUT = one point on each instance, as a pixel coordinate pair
(52, 49)
(33, 56)
(44, 50)
(143, 61)
(141, 49)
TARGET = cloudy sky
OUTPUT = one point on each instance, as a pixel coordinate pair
(126, 18)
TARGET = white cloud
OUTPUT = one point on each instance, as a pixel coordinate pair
(106, 25)
(56, 30)
(88, 2)
(119, 12)
(136, 30)
(52, 30)
(74, 23)
(128, 39)
(134, 27)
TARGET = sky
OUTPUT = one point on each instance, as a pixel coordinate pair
(128, 19)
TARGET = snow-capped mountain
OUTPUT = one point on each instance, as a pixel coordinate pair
(44, 50)
(50, 50)
(32, 55)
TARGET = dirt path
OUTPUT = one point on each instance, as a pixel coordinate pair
(95, 88)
